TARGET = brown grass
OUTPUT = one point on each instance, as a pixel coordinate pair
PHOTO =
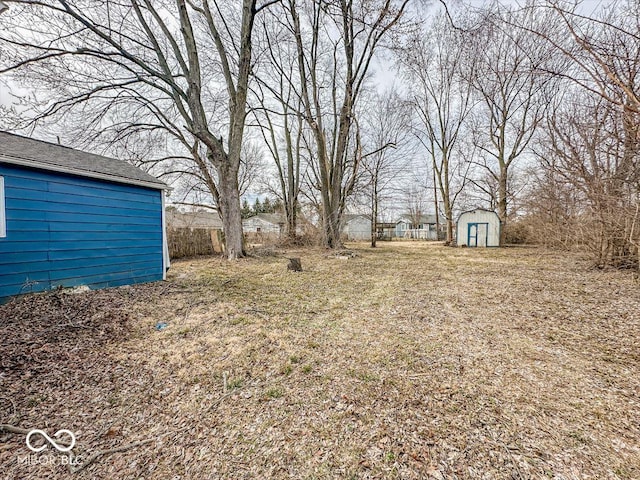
(408, 361)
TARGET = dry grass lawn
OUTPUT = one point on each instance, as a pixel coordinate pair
(410, 361)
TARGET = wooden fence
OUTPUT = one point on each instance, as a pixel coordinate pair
(189, 242)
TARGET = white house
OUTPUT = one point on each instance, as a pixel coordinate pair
(478, 228)
(265, 223)
(424, 227)
(356, 227)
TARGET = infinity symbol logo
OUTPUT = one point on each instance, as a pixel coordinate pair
(59, 447)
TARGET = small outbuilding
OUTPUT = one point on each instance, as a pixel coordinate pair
(356, 227)
(478, 228)
(70, 218)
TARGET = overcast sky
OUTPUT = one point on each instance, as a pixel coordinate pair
(384, 72)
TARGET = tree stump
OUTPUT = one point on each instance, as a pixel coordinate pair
(294, 265)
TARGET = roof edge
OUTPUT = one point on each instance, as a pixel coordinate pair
(80, 172)
(481, 209)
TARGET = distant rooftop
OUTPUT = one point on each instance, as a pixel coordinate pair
(275, 218)
(428, 219)
(209, 220)
(29, 152)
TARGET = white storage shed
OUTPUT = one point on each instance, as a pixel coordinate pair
(478, 228)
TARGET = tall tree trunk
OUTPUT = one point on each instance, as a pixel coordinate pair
(374, 213)
(230, 211)
(293, 179)
(435, 203)
(502, 204)
(331, 216)
(448, 212)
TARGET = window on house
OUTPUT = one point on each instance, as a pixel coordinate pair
(3, 218)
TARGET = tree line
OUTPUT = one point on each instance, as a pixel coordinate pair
(529, 110)
(265, 206)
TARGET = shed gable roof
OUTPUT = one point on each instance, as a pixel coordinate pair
(478, 209)
(29, 152)
(350, 217)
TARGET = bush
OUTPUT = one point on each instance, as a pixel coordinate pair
(517, 233)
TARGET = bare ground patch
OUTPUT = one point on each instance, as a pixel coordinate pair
(408, 361)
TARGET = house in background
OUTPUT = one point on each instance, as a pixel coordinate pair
(356, 227)
(424, 227)
(478, 228)
(201, 219)
(70, 218)
(386, 230)
(273, 223)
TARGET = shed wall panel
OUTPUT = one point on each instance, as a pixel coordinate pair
(358, 229)
(67, 230)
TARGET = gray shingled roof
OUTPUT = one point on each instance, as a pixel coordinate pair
(49, 156)
(275, 218)
(193, 219)
(347, 217)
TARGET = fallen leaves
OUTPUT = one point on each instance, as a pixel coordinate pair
(409, 361)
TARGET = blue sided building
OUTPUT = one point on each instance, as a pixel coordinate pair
(70, 218)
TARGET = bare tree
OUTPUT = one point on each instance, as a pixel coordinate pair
(386, 128)
(584, 152)
(603, 50)
(335, 43)
(191, 188)
(589, 190)
(441, 99)
(509, 77)
(162, 61)
(277, 113)
(284, 142)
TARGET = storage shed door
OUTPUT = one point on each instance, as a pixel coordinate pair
(477, 234)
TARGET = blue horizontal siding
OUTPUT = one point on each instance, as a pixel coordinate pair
(74, 236)
(101, 227)
(12, 290)
(22, 257)
(100, 253)
(50, 205)
(22, 214)
(42, 245)
(67, 230)
(98, 274)
(78, 186)
(25, 265)
(63, 199)
(25, 278)
(25, 262)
